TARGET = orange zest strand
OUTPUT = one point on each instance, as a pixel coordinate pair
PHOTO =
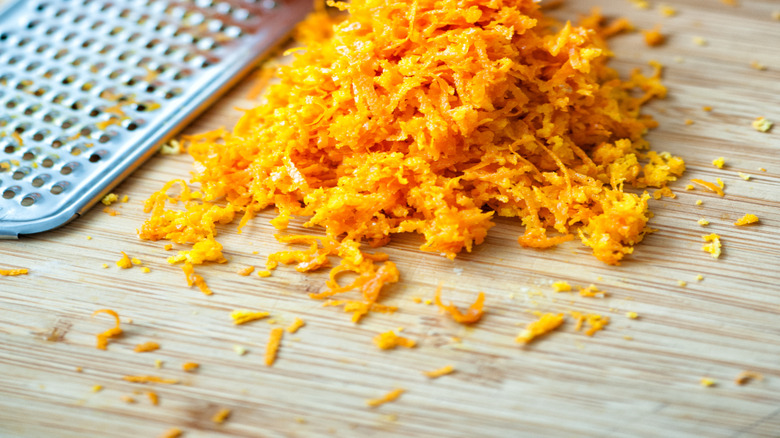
(172, 433)
(13, 272)
(708, 185)
(220, 416)
(273, 345)
(150, 379)
(190, 366)
(297, 324)
(747, 219)
(595, 322)
(245, 316)
(153, 397)
(546, 323)
(434, 120)
(102, 338)
(443, 371)
(146, 347)
(472, 315)
(746, 376)
(389, 340)
(390, 396)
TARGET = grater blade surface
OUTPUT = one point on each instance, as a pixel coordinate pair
(89, 89)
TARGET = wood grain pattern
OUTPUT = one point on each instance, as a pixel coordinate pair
(565, 385)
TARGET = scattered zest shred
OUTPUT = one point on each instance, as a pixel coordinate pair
(595, 322)
(297, 324)
(146, 347)
(561, 286)
(127, 399)
(221, 416)
(153, 397)
(190, 366)
(431, 120)
(746, 376)
(172, 433)
(273, 345)
(150, 379)
(713, 246)
(762, 125)
(125, 262)
(390, 396)
(109, 199)
(708, 185)
(389, 340)
(246, 271)
(102, 338)
(546, 323)
(472, 315)
(592, 292)
(443, 371)
(245, 316)
(13, 272)
(719, 162)
(194, 279)
(654, 37)
(747, 220)
(707, 382)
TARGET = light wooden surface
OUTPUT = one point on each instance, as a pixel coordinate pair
(565, 385)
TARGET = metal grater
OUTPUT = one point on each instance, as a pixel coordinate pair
(89, 89)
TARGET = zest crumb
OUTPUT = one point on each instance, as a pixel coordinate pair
(105, 265)
(297, 324)
(109, 199)
(699, 277)
(102, 338)
(443, 371)
(150, 379)
(79, 369)
(127, 399)
(730, 2)
(703, 222)
(757, 66)
(221, 416)
(719, 162)
(97, 388)
(595, 322)
(389, 340)
(153, 397)
(13, 272)
(699, 202)
(744, 176)
(89, 237)
(682, 283)
(473, 313)
(246, 271)
(389, 397)
(776, 15)
(628, 338)
(158, 363)
(125, 198)
(667, 10)
(632, 315)
(172, 433)
(761, 169)
(545, 324)
(699, 41)
(707, 109)
(762, 125)
(110, 211)
(746, 376)
(592, 292)
(714, 245)
(168, 247)
(747, 220)
(135, 261)
(125, 262)
(689, 122)
(641, 4)
(245, 316)
(145, 270)
(190, 366)
(709, 186)
(689, 187)
(561, 286)
(239, 350)
(707, 382)
(272, 348)
(720, 182)
(147, 347)
(264, 273)
(654, 37)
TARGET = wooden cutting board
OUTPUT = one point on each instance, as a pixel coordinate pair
(638, 377)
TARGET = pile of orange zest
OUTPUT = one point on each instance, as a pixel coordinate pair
(747, 219)
(708, 185)
(246, 271)
(746, 376)
(273, 345)
(221, 416)
(390, 396)
(245, 316)
(102, 338)
(172, 433)
(443, 371)
(146, 347)
(595, 322)
(592, 292)
(13, 272)
(190, 366)
(713, 246)
(124, 262)
(472, 315)
(297, 324)
(434, 120)
(150, 379)
(389, 340)
(153, 397)
(546, 323)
